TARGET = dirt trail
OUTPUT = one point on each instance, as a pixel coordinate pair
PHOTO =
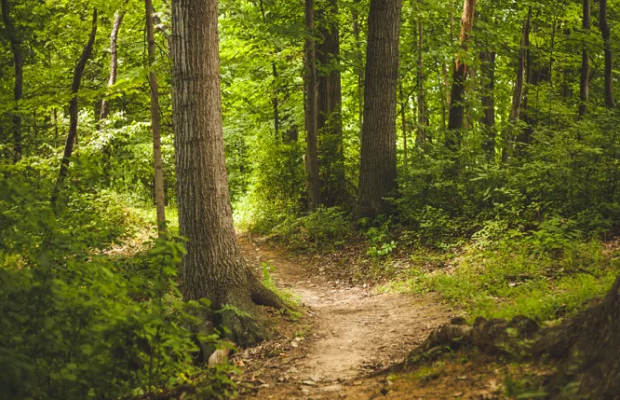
(352, 331)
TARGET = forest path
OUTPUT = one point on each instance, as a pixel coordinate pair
(352, 331)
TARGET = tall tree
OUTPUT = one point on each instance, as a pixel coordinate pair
(517, 95)
(116, 27)
(158, 181)
(213, 267)
(606, 33)
(459, 76)
(584, 84)
(18, 88)
(487, 68)
(423, 120)
(78, 72)
(312, 109)
(330, 109)
(359, 60)
(378, 158)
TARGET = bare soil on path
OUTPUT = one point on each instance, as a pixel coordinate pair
(347, 333)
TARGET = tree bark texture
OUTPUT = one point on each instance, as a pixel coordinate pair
(517, 95)
(116, 27)
(331, 151)
(378, 158)
(312, 109)
(457, 93)
(78, 72)
(606, 33)
(158, 164)
(213, 267)
(18, 63)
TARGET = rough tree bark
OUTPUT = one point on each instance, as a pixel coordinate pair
(378, 158)
(517, 95)
(606, 33)
(423, 120)
(116, 27)
(18, 63)
(331, 145)
(213, 267)
(312, 107)
(459, 74)
(73, 111)
(158, 164)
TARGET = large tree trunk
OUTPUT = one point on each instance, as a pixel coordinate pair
(73, 110)
(312, 109)
(330, 110)
(606, 33)
(423, 121)
(457, 94)
(213, 267)
(18, 63)
(116, 27)
(378, 158)
(517, 95)
(158, 181)
(584, 84)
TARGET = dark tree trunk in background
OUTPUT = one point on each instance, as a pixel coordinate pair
(18, 63)
(213, 267)
(331, 160)
(378, 158)
(423, 120)
(73, 111)
(459, 76)
(404, 104)
(517, 95)
(606, 33)
(487, 61)
(359, 67)
(158, 164)
(116, 26)
(312, 109)
(584, 84)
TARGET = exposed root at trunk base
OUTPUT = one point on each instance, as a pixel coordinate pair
(587, 347)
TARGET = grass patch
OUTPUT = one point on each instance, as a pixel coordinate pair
(514, 277)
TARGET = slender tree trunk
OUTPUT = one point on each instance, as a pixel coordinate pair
(584, 84)
(18, 63)
(404, 104)
(78, 72)
(457, 108)
(606, 33)
(422, 112)
(155, 122)
(378, 161)
(487, 60)
(213, 267)
(116, 26)
(517, 96)
(312, 107)
(359, 66)
(331, 162)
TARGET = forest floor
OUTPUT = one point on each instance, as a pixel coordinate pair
(347, 337)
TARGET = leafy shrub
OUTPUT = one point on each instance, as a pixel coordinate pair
(76, 324)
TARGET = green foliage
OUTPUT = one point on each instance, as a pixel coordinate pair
(78, 324)
(322, 230)
(514, 277)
